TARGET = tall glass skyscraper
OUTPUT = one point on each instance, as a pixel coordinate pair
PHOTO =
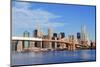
(84, 36)
(83, 33)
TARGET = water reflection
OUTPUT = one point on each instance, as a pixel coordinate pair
(52, 57)
(85, 55)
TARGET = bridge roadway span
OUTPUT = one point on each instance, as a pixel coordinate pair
(39, 39)
(71, 45)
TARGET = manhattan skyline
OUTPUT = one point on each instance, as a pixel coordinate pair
(60, 17)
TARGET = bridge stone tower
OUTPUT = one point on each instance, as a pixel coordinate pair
(72, 41)
(20, 46)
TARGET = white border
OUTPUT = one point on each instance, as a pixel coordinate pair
(84, 2)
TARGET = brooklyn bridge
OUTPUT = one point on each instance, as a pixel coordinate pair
(37, 44)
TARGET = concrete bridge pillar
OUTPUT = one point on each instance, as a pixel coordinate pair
(73, 47)
(32, 45)
(19, 46)
(69, 47)
(55, 44)
(41, 45)
(64, 45)
(50, 45)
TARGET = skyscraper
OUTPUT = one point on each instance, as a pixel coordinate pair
(26, 34)
(49, 33)
(35, 33)
(78, 35)
(38, 29)
(83, 33)
(54, 34)
(62, 34)
(84, 36)
(78, 38)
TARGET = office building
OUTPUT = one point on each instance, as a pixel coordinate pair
(84, 37)
(78, 35)
(26, 43)
(26, 34)
(54, 34)
(35, 33)
(62, 34)
(49, 33)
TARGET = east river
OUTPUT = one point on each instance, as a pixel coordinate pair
(49, 57)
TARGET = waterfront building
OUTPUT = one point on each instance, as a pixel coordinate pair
(69, 38)
(83, 33)
(79, 38)
(92, 44)
(54, 34)
(84, 36)
(59, 36)
(78, 35)
(49, 33)
(35, 33)
(26, 34)
(26, 43)
(40, 34)
(62, 34)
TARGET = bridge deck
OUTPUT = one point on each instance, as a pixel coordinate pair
(27, 38)
(38, 39)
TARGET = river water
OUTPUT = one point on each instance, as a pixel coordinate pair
(52, 57)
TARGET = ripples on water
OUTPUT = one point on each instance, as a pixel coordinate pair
(52, 57)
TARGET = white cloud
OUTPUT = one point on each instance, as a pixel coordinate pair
(24, 5)
(24, 17)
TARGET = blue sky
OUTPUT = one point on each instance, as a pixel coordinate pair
(60, 17)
